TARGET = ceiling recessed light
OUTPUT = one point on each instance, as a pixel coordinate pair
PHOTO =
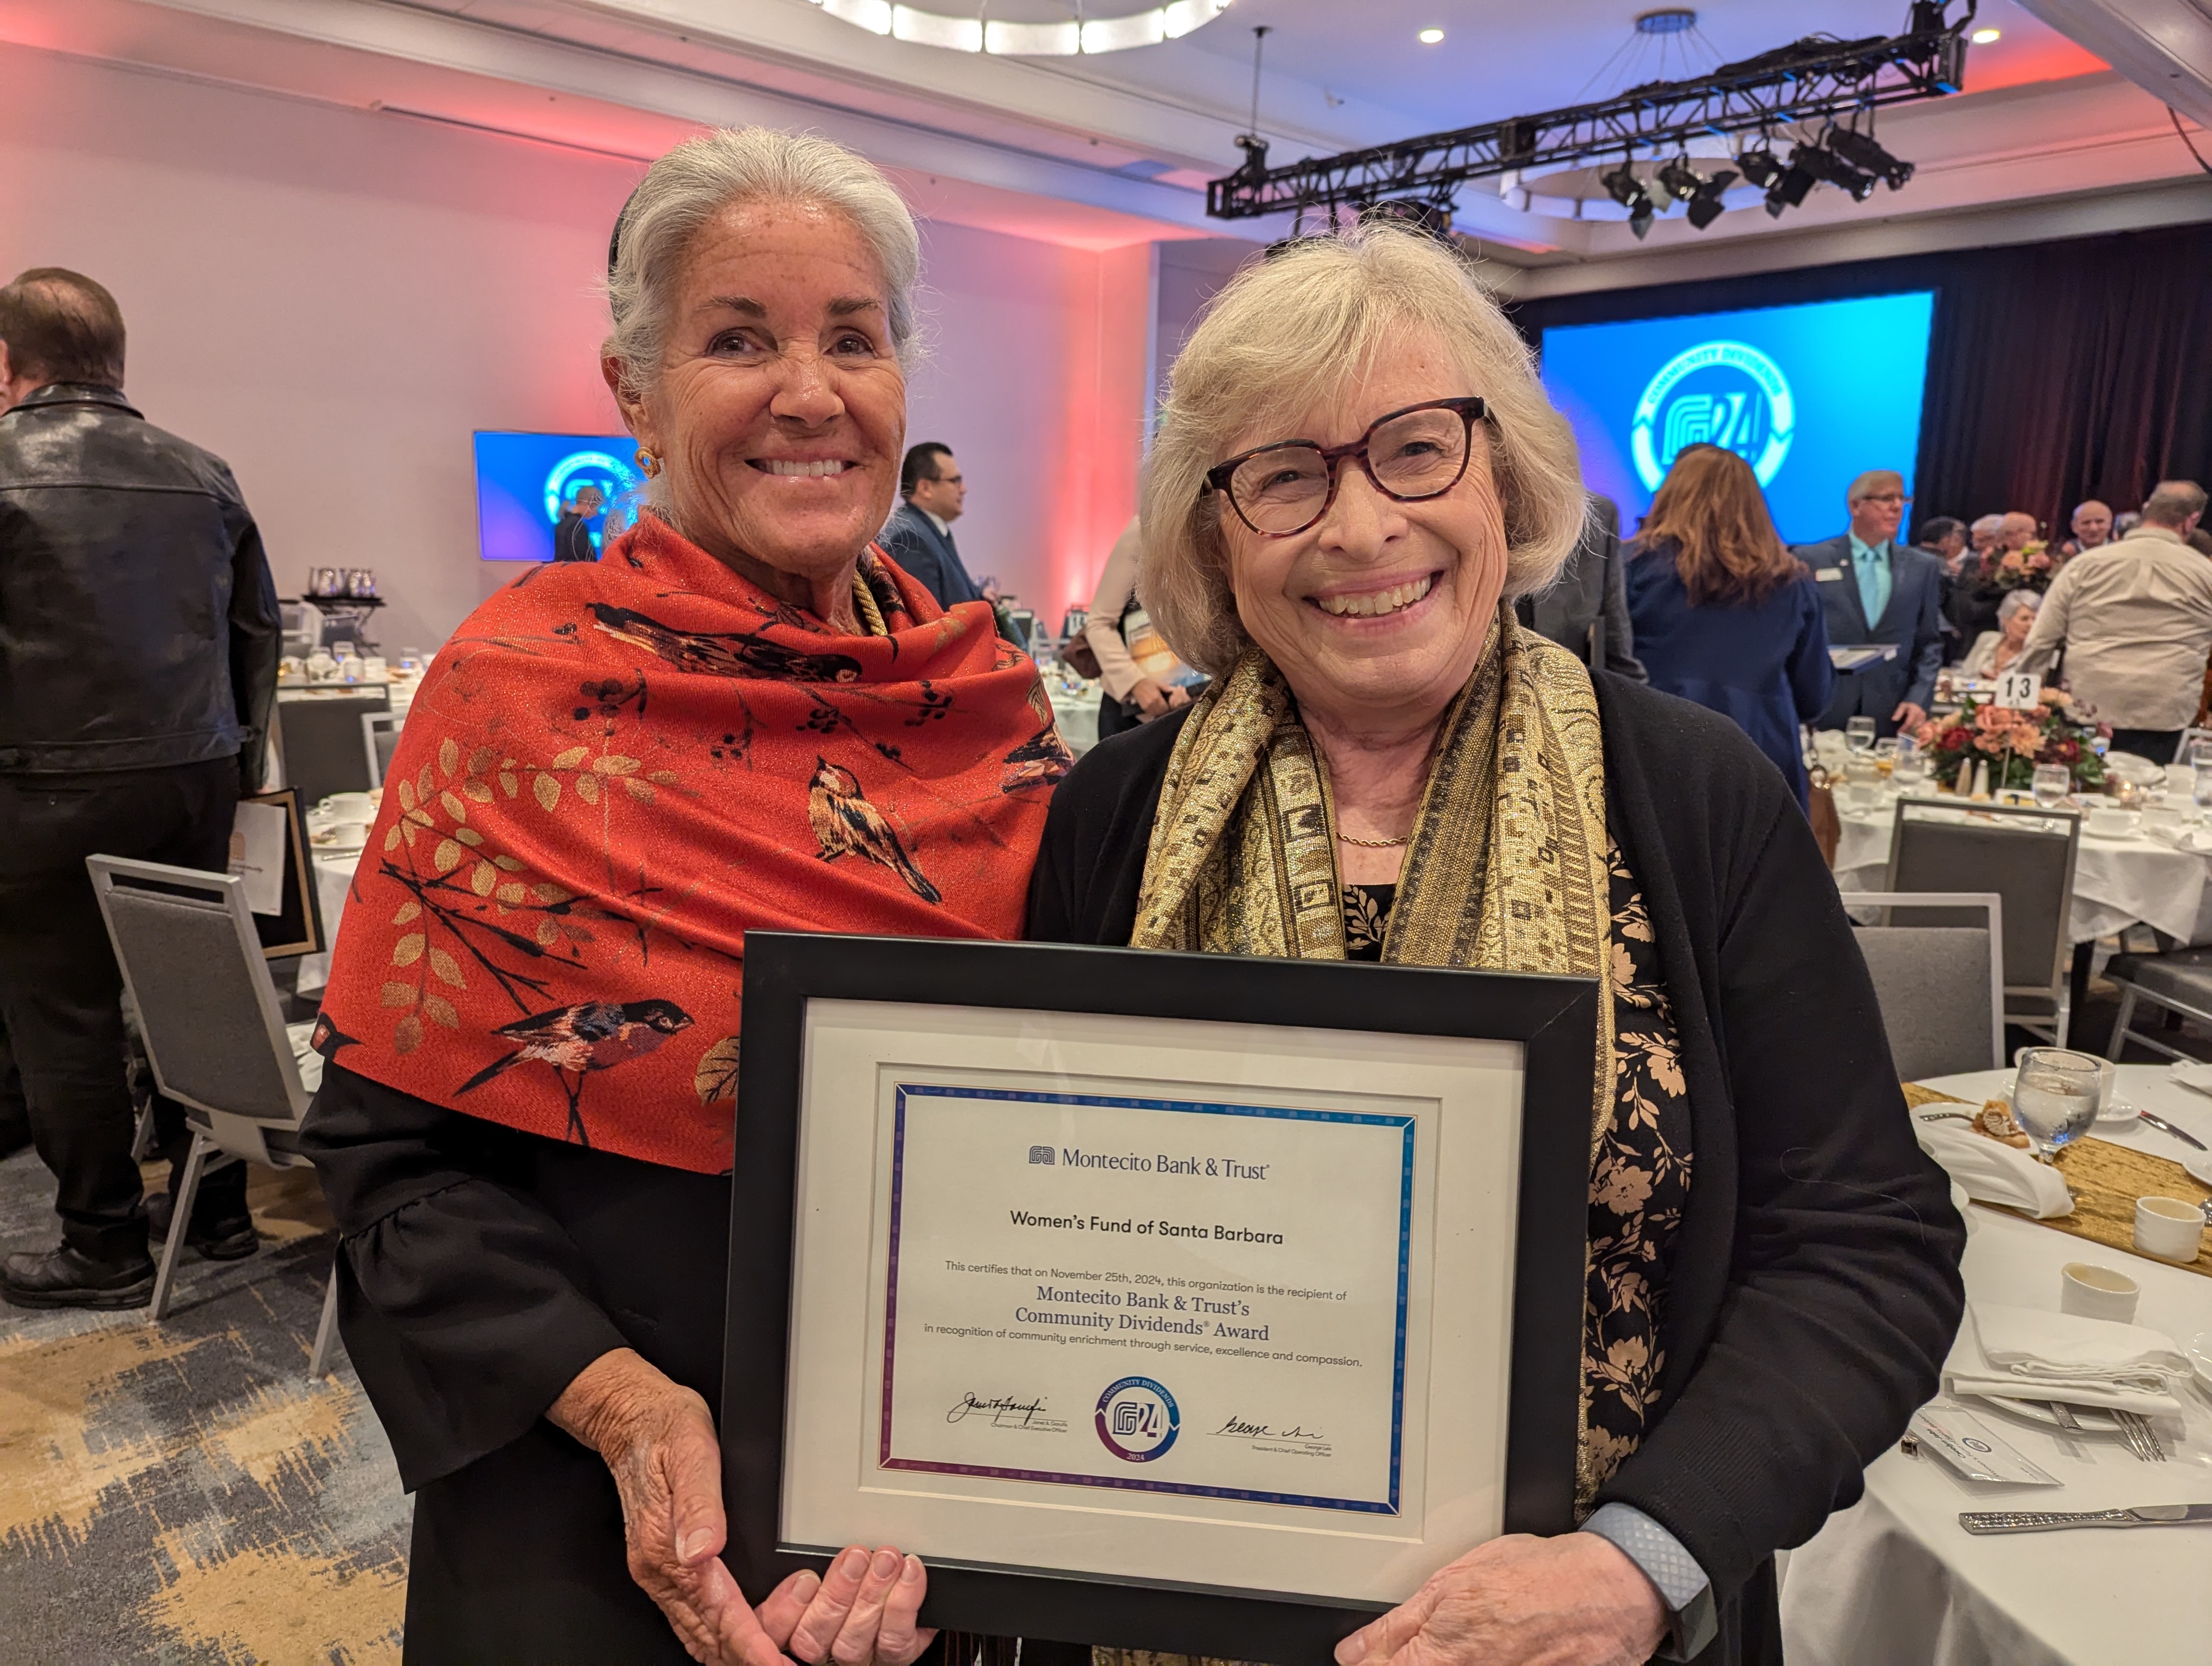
(1430, 37)
(1982, 37)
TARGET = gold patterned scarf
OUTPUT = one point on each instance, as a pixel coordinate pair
(1506, 870)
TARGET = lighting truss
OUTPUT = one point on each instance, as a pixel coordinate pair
(1807, 81)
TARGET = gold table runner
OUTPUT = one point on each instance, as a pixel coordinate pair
(2105, 1180)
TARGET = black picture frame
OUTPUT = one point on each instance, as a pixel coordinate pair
(1553, 1019)
(296, 928)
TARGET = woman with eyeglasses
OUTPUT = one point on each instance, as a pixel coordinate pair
(1354, 476)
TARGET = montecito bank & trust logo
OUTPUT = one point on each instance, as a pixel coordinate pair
(1717, 394)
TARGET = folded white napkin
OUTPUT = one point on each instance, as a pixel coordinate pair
(301, 1036)
(2029, 1354)
(1990, 1171)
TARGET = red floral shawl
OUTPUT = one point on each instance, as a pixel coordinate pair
(611, 773)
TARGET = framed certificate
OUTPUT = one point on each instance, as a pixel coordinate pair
(1179, 1302)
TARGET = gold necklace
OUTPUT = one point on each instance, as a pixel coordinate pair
(1375, 844)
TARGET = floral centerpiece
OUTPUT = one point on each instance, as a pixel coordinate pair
(2031, 567)
(2012, 742)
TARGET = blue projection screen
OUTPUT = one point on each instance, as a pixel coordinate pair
(1810, 396)
(523, 479)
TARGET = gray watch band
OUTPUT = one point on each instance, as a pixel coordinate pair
(1693, 1622)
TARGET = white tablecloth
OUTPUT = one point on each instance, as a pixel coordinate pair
(1895, 1581)
(333, 878)
(2117, 883)
(1077, 714)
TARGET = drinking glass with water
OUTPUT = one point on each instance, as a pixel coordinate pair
(2054, 1097)
(2202, 778)
(2050, 784)
(1859, 735)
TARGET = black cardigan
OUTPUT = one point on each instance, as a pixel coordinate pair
(1815, 1288)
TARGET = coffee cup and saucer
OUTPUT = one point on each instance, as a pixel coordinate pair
(2110, 822)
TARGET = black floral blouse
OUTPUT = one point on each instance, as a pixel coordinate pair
(1639, 1182)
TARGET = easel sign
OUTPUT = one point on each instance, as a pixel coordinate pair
(2020, 691)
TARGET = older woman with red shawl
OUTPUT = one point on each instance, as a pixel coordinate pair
(742, 716)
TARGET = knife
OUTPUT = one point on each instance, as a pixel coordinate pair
(2164, 1126)
(2047, 1521)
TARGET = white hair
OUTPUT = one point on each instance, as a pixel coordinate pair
(2013, 601)
(701, 178)
(1991, 523)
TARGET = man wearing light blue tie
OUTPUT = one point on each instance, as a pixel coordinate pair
(1877, 591)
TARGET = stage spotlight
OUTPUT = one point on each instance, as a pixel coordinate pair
(1705, 204)
(1624, 187)
(1825, 165)
(1640, 218)
(1789, 189)
(1861, 151)
(1681, 181)
(1760, 167)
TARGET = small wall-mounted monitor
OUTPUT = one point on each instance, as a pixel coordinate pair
(526, 481)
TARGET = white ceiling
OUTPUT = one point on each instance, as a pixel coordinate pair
(1072, 149)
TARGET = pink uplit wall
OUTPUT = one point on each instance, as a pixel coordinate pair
(332, 300)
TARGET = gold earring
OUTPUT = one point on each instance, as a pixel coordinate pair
(649, 462)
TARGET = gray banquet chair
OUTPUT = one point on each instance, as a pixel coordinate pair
(318, 739)
(1941, 987)
(2027, 856)
(213, 1032)
(2179, 981)
(379, 738)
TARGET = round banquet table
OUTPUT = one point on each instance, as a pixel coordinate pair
(1895, 1581)
(2117, 883)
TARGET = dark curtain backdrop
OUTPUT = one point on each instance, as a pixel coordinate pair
(2056, 371)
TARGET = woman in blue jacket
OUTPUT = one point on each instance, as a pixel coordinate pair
(1723, 614)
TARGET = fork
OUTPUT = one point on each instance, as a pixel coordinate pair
(2141, 1436)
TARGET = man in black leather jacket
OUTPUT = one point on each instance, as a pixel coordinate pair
(138, 645)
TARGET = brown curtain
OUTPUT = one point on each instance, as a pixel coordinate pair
(2056, 371)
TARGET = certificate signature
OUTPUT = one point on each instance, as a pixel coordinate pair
(1296, 1438)
(1006, 1411)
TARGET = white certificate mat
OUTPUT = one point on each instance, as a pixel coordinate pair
(1162, 1302)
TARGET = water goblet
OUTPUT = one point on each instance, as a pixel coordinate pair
(2051, 784)
(2054, 1097)
(2201, 793)
(1859, 735)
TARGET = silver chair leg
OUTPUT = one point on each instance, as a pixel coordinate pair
(181, 1211)
(2120, 1024)
(141, 1140)
(326, 1330)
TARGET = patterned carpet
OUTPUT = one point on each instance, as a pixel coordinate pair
(183, 1494)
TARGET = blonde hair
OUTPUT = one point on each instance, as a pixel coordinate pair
(1284, 335)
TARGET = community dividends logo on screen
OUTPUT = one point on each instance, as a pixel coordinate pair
(580, 468)
(1717, 393)
(1138, 1419)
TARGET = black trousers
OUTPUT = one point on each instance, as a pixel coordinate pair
(61, 991)
(2156, 745)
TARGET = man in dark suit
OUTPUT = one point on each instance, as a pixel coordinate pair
(1875, 591)
(1591, 591)
(919, 534)
(572, 533)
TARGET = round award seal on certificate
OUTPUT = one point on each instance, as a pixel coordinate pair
(1138, 1419)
